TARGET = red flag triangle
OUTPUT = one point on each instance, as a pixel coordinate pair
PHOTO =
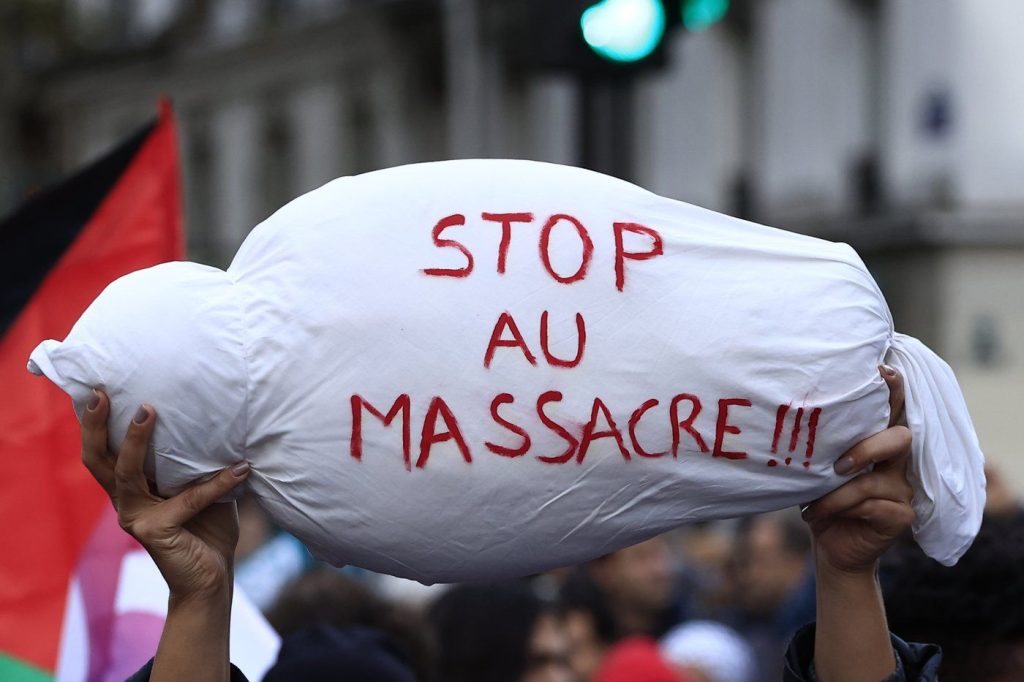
(121, 214)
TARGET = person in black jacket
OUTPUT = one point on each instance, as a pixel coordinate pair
(974, 610)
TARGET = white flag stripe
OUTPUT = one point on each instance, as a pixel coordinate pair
(141, 589)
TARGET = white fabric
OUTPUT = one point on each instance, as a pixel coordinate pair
(142, 593)
(716, 650)
(338, 295)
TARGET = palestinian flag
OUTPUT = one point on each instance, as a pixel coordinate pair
(79, 599)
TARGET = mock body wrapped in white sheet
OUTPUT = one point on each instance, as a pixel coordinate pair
(476, 369)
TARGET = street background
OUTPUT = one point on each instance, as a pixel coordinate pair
(892, 125)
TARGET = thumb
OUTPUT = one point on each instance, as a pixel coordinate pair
(897, 395)
(181, 508)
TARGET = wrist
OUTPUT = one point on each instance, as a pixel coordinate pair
(842, 574)
(209, 599)
(843, 578)
(195, 642)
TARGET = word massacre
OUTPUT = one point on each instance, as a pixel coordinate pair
(683, 409)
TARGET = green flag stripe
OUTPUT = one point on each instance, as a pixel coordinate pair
(13, 670)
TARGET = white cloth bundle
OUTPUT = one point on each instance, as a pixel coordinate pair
(477, 369)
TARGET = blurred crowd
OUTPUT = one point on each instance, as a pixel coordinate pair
(714, 602)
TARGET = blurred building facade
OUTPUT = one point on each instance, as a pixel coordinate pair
(889, 124)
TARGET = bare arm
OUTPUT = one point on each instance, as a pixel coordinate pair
(190, 538)
(852, 527)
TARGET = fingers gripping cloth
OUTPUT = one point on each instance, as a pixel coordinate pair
(478, 369)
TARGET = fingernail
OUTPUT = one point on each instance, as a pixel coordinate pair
(141, 415)
(888, 371)
(844, 465)
(94, 401)
(240, 469)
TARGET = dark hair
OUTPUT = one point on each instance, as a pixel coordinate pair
(974, 610)
(483, 631)
(323, 652)
(795, 537)
(580, 593)
(323, 596)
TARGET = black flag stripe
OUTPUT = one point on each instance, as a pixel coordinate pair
(35, 236)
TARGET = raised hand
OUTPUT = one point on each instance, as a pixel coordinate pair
(856, 523)
(190, 537)
(852, 527)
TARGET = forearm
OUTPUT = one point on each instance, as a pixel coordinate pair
(194, 642)
(852, 641)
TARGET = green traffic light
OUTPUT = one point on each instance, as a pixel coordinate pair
(624, 30)
(698, 15)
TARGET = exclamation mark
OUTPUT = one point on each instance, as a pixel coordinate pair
(795, 433)
(812, 430)
(794, 437)
(780, 419)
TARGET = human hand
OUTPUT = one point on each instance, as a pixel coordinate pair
(190, 538)
(855, 524)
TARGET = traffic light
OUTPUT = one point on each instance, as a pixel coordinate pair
(624, 31)
(599, 38)
(610, 38)
(604, 44)
(699, 15)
